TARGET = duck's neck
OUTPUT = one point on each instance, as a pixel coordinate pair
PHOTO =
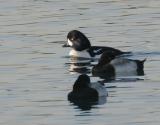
(103, 61)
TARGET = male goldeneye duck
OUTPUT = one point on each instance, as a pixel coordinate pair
(83, 89)
(81, 46)
(110, 66)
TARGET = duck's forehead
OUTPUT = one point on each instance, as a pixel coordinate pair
(71, 34)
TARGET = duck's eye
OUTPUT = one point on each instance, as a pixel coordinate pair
(73, 38)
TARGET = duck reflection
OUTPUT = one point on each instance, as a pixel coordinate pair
(80, 65)
(86, 94)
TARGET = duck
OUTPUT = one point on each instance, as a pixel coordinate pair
(110, 66)
(81, 46)
(83, 89)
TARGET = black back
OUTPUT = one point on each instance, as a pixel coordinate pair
(86, 94)
(82, 90)
(98, 50)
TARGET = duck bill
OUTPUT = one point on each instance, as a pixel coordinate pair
(66, 45)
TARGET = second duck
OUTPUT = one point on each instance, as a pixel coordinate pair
(110, 66)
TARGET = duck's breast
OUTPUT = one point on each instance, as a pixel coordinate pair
(83, 54)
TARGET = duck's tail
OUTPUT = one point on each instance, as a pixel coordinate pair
(140, 66)
(142, 61)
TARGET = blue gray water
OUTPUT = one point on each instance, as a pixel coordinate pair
(35, 77)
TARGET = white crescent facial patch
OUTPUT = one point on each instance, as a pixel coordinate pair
(70, 43)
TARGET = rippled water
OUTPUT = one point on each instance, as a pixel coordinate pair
(35, 75)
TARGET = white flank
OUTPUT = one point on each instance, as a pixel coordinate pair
(124, 67)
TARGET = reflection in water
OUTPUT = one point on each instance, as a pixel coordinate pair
(80, 65)
(122, 79)
(88, 104)
(123, 76)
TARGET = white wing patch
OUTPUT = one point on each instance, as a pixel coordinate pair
(70, 43)
(96, 51)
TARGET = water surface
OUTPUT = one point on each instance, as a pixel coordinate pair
(35, 76)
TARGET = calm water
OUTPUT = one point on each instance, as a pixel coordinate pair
(35, 76)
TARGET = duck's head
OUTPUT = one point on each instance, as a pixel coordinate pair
(106, 58)
(82, 82)
(77, 40)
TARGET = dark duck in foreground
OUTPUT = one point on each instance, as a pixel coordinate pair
(110, 66)
(81, 46)
(83, 89)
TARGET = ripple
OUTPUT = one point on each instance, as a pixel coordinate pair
(36, 74)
